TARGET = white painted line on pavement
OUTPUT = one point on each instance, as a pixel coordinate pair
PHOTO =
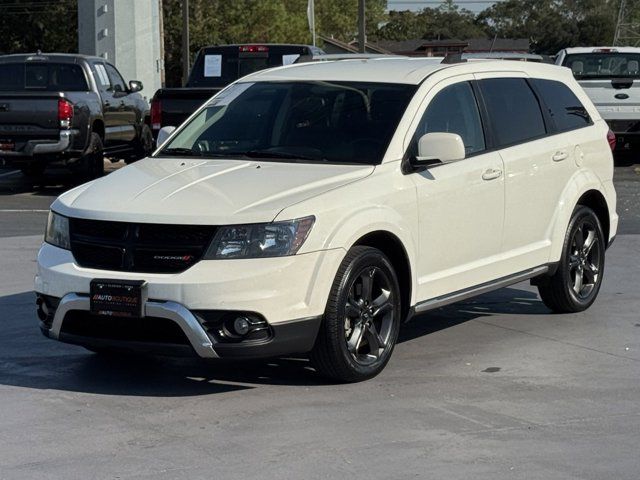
(9, 173)
(8, 210)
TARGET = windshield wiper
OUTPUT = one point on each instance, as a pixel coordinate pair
(180, 151)
(277, 154)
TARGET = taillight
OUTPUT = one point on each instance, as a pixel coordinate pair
(65, 113)
(156, 114)
(611, 138)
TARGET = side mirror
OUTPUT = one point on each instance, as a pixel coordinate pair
(135, 86)
(163, 134)
(440, 147)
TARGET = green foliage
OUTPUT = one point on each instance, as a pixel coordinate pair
(51, 25)
(445, 22)
(38, 25)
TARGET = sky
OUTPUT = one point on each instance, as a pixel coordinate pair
(474, 6)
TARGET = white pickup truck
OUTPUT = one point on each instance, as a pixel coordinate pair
(611, 78)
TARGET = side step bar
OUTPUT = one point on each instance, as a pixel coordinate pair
(479, 289)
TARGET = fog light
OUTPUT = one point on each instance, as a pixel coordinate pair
(241, 326)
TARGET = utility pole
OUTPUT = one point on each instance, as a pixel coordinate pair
(311, 17)
(362, 36)
(160, 61)
(185, 42)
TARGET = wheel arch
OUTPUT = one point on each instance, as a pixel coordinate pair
(596, 202)
(394, 250)
(585, 188)
(98, 127)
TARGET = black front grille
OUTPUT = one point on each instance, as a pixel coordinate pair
(138, 247)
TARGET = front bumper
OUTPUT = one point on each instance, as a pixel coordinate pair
(297, 336)
(290, 293)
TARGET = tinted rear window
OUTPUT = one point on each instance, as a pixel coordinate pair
(604, 65)
(514, 110)
(51, 77)
(564, 107)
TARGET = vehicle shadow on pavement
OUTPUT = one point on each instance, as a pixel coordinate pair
(505, 301)
(28, 359)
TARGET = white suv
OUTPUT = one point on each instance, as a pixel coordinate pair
(315, 207)
(611, 78)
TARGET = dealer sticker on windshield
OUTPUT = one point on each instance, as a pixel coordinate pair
(118, 298)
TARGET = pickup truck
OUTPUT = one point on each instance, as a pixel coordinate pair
(611, 78)
(216, 67)
(71, 110)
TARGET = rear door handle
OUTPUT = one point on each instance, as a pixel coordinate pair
(559, 156)
(491, 174)
(107, 104)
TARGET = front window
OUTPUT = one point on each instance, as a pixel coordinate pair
(315, 121)
(604, 65)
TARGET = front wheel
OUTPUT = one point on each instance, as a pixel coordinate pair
(362, 319)
(576, 283)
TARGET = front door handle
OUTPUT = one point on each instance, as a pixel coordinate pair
(559, 156)
(106, 103)
(491, 174)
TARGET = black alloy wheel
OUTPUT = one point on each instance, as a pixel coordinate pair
(362, 319)
(577, 280)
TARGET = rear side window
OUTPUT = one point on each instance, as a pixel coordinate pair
(514, 110)
(453, 110)
(52, 77)
(564, 107)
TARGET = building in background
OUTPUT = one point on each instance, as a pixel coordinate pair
(126, 33)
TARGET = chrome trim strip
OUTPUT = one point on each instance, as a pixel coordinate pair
(173, 311)
(59, 146)
(479, 289)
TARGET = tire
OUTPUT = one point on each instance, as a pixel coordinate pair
(91, 164)
(355, 321)
(143, 146)
(33, 170)
(576, 283)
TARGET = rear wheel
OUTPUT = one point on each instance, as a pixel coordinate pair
(576, 283)
(362, 318)
(143, 145)
(91, 164)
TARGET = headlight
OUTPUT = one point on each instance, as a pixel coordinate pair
(57, 231)
(260, 240)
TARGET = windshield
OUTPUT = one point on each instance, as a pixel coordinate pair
(336, 122)
(604, 65)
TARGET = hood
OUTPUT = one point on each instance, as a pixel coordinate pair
(199, 191)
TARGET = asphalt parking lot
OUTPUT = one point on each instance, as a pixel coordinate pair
(495, 388)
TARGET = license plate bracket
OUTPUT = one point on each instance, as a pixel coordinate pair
(118, 298)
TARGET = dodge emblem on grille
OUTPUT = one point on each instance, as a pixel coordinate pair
(173, 258)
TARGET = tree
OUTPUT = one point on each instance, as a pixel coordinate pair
(445, 22)
(38, 25)
(551, 25)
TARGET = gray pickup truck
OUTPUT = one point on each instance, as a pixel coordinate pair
(71, 110)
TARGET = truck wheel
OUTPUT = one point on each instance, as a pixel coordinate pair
(362, 319)
(143, 146)
(91, 164)
(33, 170)
(575, 285)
